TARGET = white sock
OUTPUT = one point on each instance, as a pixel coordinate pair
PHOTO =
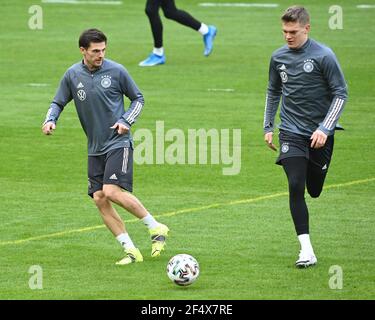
(203, 29)
(158, 51)
(149, 221)
(125, 241)
(304, 240)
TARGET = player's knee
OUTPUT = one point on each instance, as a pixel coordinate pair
(314, 193)
(170, 14)
(315, 184)
(110, 192)
(99, 198)
(296, 186)
(150, 12)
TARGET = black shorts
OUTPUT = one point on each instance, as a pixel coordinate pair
(114, 167)
(296, 145)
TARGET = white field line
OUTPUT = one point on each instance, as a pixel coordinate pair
(366, 6)
(37, 84)
(220, 89)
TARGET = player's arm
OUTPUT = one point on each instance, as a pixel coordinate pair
(130, 90)
(271, 104)
(62, 98)
(337, 84)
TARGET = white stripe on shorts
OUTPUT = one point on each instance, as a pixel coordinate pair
(125, 159)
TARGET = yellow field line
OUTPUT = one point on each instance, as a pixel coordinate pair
(187, 210)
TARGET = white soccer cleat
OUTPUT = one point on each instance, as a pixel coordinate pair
(306, 260)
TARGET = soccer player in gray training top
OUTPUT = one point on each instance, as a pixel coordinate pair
(308, 77)
(98, 86)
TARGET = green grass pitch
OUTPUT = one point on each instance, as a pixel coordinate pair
(238, 227)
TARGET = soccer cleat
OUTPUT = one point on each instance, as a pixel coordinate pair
(208, 40)
(306, 260)
(132, 255)
(158, 237)
(152, 60)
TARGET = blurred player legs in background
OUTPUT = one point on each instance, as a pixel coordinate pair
(157, 57)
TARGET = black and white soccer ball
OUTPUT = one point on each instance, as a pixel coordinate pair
(183, 269)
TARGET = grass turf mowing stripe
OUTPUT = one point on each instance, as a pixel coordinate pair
(239, 4)
(187, 210)
(82, 2)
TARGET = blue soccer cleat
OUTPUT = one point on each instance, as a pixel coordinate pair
(152, 60)
(208, 40)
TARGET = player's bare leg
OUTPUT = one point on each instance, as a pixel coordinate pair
(114, 223)
(158, 231)
(109, 214)
(124, 199)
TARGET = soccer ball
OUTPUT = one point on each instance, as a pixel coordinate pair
(183, 269)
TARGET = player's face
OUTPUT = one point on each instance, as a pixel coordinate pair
(94, 55)
(295, 34)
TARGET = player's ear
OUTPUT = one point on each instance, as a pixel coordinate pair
(82, 49)
(307, 28)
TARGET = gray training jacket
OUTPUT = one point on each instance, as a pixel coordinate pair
(312, 87)
(99, 100)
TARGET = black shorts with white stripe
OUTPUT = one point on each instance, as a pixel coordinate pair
(295, 145)
(114, 167)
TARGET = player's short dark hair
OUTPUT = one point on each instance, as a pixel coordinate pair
(296, 14)
(91, 35)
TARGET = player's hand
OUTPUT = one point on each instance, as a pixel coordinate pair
(121, 129)
(268, 139)
(318, 139)
(48, 128)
